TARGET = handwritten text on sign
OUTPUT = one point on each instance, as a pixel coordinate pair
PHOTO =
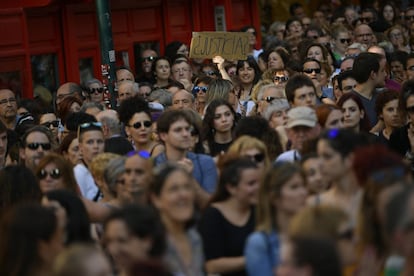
(229, 45)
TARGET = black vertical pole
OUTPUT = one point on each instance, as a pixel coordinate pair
(103, 12)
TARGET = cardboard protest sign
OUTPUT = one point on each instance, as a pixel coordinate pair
(229, 45)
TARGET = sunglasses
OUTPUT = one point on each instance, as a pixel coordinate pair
(281, 79)
(49, 124)
(257, 158)
(35, 146)
(343, 40)
(366, 19)
(138, 125)
(269, 99)
(141, 153)
(55, 174)
(311, 70)
(410, 109)
(150, 58)
(210, 73)
(409, 17)
(96, 90)
(197, 89)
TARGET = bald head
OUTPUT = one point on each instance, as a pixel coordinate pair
(68, 89)
(183, 100)
(127, 89)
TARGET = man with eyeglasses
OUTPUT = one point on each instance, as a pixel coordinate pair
(266, 95)
(35, 144)
(302, 125)
(68, 89)
(364, 34)
(147, 58)
(91, 143)
(8, 108)
(183, 100)
(182, 72)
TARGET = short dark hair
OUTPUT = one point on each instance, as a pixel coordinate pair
(343, 76)
(169, 117)
(383, 98)
(364, 64)
(142, 222)
(296, 82)
(46, 131)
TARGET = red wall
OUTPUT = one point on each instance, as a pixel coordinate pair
(70, 31)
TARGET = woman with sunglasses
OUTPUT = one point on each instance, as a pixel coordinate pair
(312, 68)
(55, 172)
(252, 148)
(230, 217)
(95, 90)
(161, 69)
(199, 92)
(218, 125)
(135, 114)
(50, 121)
(282, 194)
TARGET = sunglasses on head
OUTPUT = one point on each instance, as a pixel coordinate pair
(311, 70)
(49, 124)
(138, 125)
(141, 153)
(94, 90)
(259, 157)
(281, 78)
(55, 174)
(197, 89)
(343, 40)
(150, 58)
(269, 99)
(35, 146)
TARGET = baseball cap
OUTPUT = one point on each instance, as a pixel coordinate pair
(301, 116)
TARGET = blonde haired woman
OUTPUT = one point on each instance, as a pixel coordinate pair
(253, 148)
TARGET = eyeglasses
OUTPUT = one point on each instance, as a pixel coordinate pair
(269, 99)
(346, 235)
(409, 17)
(395, 35)
(343, 40)
(210, 73)
(253, 33)
(197, 89)
(311, 70)
(93, 90)
(35, 146)
(55, 174)
(49, 124)
(90, 124)
(257, 158)
(6, 101)
(138, 125)
(410, 109)
(141, 153)
(148, 59)
(281, 78)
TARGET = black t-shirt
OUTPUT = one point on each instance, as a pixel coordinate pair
(222, 238)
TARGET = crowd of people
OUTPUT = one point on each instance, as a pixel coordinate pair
(297, 160)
